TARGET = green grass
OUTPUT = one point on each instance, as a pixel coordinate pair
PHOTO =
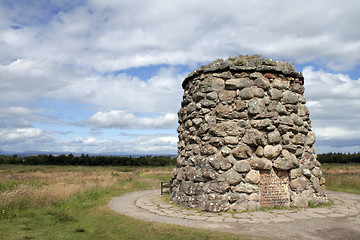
(343, 182)
(85, 215)
(337, 166)
(11, 185)
(327, 204)
(342, 177)
(163, 174)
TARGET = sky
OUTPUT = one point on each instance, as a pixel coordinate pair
(105, 76)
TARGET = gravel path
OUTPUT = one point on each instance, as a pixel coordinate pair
(340, 221)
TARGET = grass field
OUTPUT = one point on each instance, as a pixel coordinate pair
(70, 202)
(342, 177)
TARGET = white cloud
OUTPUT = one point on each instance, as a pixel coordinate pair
(160, 93)
(23, 136)
(113, 35)
(332, 96)
(17, 111)
(337, 132)
(321, 84)
(334, 103)
(29, 79)
(24, 117)
(24, 80)
(146, 144)
(153, 144)
(33, 139)
(125, 120)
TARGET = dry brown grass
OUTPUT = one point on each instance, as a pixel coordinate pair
(157, 173)
(342, 177)
(53, 187)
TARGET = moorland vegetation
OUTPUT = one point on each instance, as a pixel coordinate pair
(65, 200)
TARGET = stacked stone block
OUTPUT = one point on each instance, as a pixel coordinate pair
(243, 123)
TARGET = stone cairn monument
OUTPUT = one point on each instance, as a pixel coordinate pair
(245, 138)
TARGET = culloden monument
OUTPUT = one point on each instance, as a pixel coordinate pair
(245, 138)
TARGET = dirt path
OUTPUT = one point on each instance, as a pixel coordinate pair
(340, 221)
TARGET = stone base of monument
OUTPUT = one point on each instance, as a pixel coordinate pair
(245, 139)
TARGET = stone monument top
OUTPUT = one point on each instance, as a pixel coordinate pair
(245, 63)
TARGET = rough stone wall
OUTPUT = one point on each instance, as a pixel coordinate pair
(245, 138)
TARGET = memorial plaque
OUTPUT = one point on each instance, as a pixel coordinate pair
(274, 188)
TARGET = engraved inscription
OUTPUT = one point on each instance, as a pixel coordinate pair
(274, 188)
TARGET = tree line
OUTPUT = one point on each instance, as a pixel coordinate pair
(339, 157)
(87, 160)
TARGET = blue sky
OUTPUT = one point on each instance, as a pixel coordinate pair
(105, 76)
